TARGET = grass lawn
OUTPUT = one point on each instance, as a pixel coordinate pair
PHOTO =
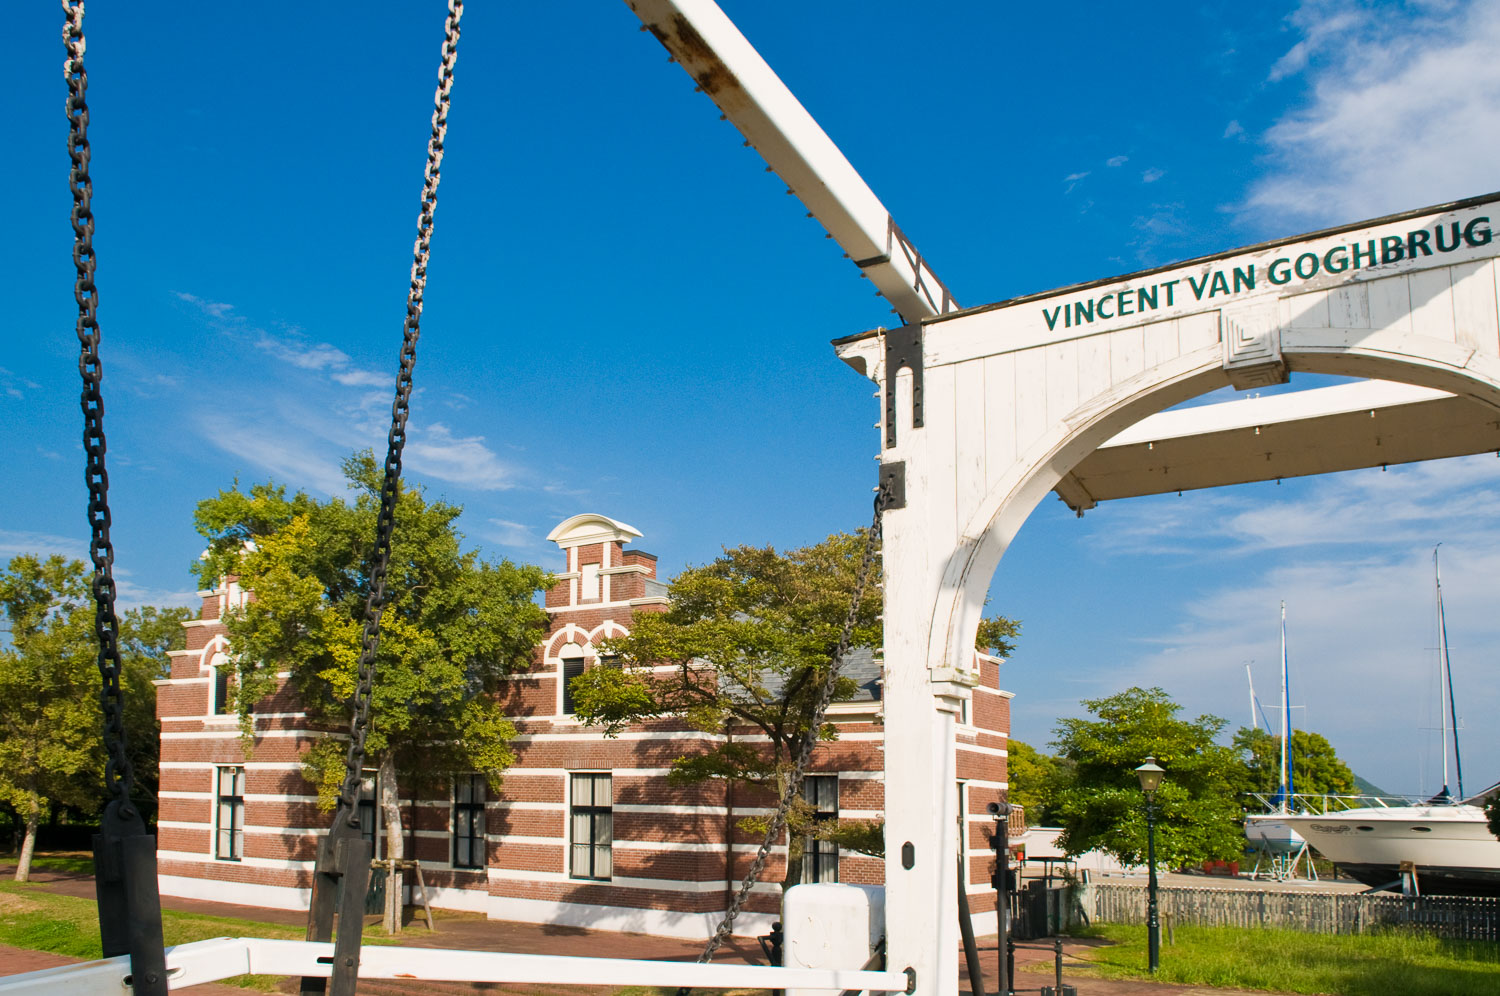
(1288, 961)
(43, 921)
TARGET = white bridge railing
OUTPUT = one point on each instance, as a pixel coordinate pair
(226, 957)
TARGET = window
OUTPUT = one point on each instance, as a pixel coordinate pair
(592, 827)
(468, 821)
(229, 842)
(218, 703)
(820, 858)
(572, 667)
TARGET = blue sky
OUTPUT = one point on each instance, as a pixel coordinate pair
(627, 315)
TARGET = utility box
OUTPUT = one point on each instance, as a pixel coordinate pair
(831, 926)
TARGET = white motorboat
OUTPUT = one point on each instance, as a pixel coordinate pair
(1441, 846)
(1447, 847)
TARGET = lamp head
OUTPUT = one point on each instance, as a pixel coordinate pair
(1150, 775)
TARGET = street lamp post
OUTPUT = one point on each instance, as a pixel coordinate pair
(1150, 775)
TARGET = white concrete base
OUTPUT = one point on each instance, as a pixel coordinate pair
(276, 897)
(663, 923)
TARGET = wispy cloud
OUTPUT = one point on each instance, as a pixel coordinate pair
(14, 542)
(1152, 175)
(300, 453)
(1404, 110)
(1351, 555)
(129, 594)
(1114, 161)
(435, 451)
(213, 309)
(1073, 179)
(13, 383)
(1408, 505)
(1234, 130)
(516, 535)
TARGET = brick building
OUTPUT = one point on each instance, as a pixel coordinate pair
(585, 830)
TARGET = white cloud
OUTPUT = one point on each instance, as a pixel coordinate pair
(1234, 130)
(128, 594)
(1404, 111)
(1413, 504)
(516, 535)
(213, 309)
(1351, 554)
(1114, 161)
(1152, 175)
(292, 453)
(16, 542)
(435, 451)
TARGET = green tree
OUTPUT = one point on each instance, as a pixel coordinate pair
(749, 638)
(1198, 814)
(1037, 781)
(454, 626)
(1316, 767)
(51, 743)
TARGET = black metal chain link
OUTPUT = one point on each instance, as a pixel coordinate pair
(359, 723)
(804, 755)
(118, 775)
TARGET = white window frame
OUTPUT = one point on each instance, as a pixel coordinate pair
(478, 784)
(811, 845)
(610, 809)
(242, 780)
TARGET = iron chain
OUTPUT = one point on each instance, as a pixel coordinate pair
(359, 723)
(118, 775)
(804, 754)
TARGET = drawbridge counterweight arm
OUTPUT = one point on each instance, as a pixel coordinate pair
(727, 68)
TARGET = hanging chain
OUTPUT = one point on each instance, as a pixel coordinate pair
(804, 754)
(359, 724)
(118, 775)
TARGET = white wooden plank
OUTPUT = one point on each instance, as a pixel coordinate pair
(1474, 319)
(1195, 332)
(968, 386)
(1093, 367)
(1062, 378)
(1432, 304)
(1390, 303)
(1127, 354)
(1160, 342)
(1031, 397)
(1349, 307)
(999, 416)
(1308, 311)
(944, 430)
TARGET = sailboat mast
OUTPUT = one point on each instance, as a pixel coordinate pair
(1251, 680)
(1286, 721)
(1445, 677)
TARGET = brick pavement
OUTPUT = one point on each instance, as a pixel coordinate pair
(474, 932)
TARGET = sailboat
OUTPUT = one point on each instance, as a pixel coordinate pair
(1268, 834)
(1443, 845)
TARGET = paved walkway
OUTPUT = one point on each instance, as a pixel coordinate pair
(474, 932)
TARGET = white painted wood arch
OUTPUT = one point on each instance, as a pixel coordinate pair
(1013, 397)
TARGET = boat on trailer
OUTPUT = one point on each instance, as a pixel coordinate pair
(1439, 847)
(1443, 845)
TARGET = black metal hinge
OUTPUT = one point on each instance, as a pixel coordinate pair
(893, 485)
(903, 348)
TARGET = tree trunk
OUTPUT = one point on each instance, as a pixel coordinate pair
(390, 808)
(28, 846)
